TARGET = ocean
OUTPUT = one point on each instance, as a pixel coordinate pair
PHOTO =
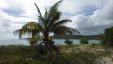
(26, 42)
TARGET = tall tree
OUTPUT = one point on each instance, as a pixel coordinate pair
(48, 23)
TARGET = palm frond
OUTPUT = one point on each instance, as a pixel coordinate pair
(52, 11)
(45, 15)
(20, 32)
(40, 17)
(55, 18)
(30, 28)
(62, 22)
(38, 10)
(63, 30)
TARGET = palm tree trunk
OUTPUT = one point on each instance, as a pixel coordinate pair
(46, 39)
(48, 43)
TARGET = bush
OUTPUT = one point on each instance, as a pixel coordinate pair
(93, 44)
(68, 42)
(107, 36)
(84, 41)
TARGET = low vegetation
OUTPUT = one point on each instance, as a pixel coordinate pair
(84, 41)
(78, 54)
(68, 42)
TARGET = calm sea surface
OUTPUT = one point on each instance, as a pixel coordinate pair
(25, 42)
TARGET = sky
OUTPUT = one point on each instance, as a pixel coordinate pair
(89, 17)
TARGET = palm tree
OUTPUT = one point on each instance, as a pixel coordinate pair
(48, 23)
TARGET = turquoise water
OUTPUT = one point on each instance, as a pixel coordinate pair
(14, 42)
(61, 41)
(25, 42)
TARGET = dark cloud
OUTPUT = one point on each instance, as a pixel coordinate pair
(14, 11)
(88, 10)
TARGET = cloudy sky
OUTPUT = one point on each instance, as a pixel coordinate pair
(88, 16)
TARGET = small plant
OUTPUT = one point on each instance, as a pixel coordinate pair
(68, 42)
(93, 44)
(84, 41)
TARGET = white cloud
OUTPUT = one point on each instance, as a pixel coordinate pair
(97, 22)
(3, 4)
(100, 18)
(76, 6)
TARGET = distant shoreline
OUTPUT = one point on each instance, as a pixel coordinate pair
(90, 37)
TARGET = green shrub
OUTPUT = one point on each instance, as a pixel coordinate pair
(93, 44)
(107, 36)
(68, 42)
(84, 41)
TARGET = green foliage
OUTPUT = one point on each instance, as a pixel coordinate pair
(68, 42)
(34, 41)
(84, 41)
(107, 36)
(93, 44)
